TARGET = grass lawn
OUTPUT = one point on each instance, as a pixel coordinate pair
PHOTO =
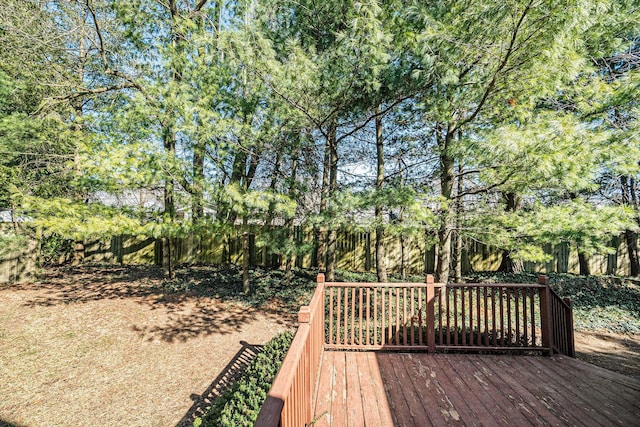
(119, 346)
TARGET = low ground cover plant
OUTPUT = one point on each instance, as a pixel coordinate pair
(240, 405)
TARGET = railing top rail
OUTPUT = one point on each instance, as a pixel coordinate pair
(424, 285)
(564, 301)
(270, 412)
(379, 285)
(496, 285)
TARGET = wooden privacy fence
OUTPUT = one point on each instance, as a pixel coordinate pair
(355, 251)
(413, 316)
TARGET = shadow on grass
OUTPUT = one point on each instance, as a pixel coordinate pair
(4, 423)
(202, 300)
(223, 382)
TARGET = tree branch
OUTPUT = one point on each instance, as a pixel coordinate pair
(501, 66)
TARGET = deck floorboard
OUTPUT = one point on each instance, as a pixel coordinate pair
(417, 389)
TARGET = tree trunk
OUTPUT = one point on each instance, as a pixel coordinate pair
(447, 179)
(246, 285)
(197, 202)
(267, 260)
(381, 261)
(169, 208)
(583, 261)
(291, 253)
(333, 185)
(629, 198)
(631, 238)
(321, 233)
(507, 265)
(169, 143)
(457, 254)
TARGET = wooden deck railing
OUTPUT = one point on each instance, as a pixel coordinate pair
(289, 402)
(432, 316)
(413, 316)
(560, 311)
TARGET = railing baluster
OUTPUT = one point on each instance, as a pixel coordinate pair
(510, 324)
(448, 317)
(413, 308)
(493, 318)
(375, 316)
(404, 315)
(338, 302)
(532, 297)
(368, 340)
(383, 339)
(390, 326)
(441, 294)
(346, 316)
(471, 316)
(360, 317)
(478, 317)
(397, 335)
(486, 316)
(420, 316)
(501, 290)
(353, 315)
(430, 314)
(455, 316)
(463, 320)
(330, 315)
(517, 294)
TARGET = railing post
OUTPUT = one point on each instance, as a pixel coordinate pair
(545, 314)
(431, 315)
(571, 348)
(320, 278)
(304, 316)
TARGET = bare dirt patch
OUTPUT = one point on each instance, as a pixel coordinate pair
(109, 348)
(616, 352)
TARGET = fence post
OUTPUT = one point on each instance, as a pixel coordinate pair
(545, 314)
(431, 315)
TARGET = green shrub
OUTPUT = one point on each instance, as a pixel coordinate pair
(240, 405)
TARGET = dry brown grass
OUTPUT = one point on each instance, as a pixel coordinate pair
(106, 348)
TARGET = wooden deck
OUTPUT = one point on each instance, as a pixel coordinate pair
(418, 389)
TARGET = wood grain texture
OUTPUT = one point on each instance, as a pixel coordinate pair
(419, 389)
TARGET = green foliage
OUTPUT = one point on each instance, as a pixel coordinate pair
(208, 108)
(11, 242)
(524, 232)
(79, 221)
(225, 282)
(54, 248)
(240, 405)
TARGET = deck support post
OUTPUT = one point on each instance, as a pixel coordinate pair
(545, 314)
(571, 341)
(431, 315)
